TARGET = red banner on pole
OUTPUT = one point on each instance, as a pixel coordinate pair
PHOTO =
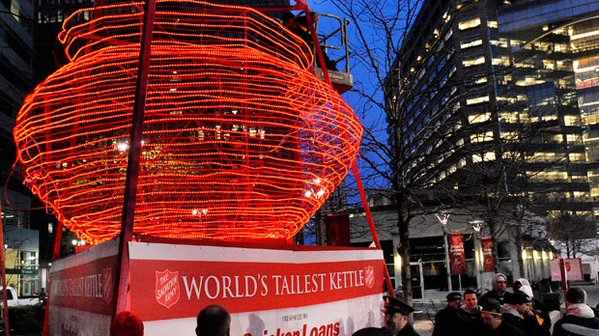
(488, 259)
(337, 230)
(457, 255)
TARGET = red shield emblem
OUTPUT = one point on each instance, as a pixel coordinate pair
(369, 276)
(167, 288)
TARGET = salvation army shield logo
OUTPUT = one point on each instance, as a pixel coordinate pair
(369, 276)
(167, 288)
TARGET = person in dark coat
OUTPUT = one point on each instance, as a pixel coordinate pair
(493, 319)
(397, 317)
(299, 25)
(447, 321)
(538, 311)
(498, 292)
(371, 331)
(126, 323)
(580, 319)
(471, 314)
(213, 320)
(518, 312)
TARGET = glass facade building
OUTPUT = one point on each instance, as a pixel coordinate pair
(20, 241)
(503, 93)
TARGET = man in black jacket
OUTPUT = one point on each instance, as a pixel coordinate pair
(447, 321)
(498, 292)
(397, 317)
(580, 319)
(493, 319)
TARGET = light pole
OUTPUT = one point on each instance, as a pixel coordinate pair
(478, 252)
(443, 218)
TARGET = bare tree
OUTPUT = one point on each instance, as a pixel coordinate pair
(576, 232)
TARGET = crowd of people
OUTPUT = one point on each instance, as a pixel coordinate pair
(498, 312)
(213, 320)
(501, 312)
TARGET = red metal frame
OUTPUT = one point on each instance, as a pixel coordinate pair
(127, 227)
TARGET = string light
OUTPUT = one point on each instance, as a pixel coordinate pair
(241, 140)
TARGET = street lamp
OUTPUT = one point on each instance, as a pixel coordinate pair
(443, 218)
(478, 252)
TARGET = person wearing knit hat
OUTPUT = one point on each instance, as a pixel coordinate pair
(519, 313)
(498, 292)
(541, 314)
(447, 321)
(493, 320)
(579, 319)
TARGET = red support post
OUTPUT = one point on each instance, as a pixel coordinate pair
(4, 284)
(325, 71)
(133, 163)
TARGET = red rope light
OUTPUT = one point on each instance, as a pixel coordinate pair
(241, 141)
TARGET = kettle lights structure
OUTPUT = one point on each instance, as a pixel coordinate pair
(240, 140)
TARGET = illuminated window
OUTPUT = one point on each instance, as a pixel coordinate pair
(510, 135)
(570, 120)
(493, 24)
(478, 118)
(475, 61)
(549, 64)
(504, 43)
(511, 117)
(472, 23)
(469, 44)
(547, 176)
(489, 156)
(481, 137)
(481, 80)
(576, 157)
(504, 60)
(476, 158)
(477, 100)
(573, 138)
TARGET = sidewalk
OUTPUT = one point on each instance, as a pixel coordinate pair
(423, 327)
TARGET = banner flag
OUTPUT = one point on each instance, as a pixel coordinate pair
(456, 254)
(488, 258)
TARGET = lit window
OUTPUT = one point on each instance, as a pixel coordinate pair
(504, 43)
(481, 80)
(477, 100)
(472, 23)
(481, 137)
(509, 135)
(489, 156)
(493, 24)
(573, 138)
(570, 120)
(509, 117)
(474, 61)
(504, 60)
(478, 118)
(549, 64)
(477, 158)
(576, 157)
(469, 44)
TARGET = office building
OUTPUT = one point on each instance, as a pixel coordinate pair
(20, 240)
(488, 101)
